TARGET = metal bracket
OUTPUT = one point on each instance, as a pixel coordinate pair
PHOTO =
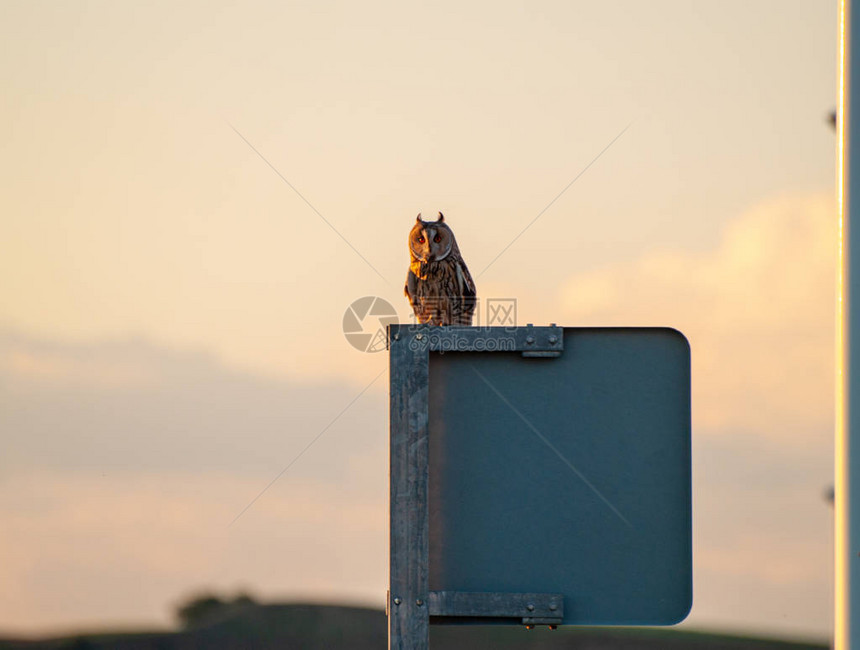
(531, 609)
(544, 342)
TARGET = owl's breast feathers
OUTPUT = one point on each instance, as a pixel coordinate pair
(441, 293)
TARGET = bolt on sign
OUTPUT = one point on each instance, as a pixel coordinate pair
(539, 476)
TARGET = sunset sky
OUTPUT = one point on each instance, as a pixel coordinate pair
(172, 296)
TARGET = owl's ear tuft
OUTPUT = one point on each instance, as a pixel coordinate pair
(441, 218)
(418, 218)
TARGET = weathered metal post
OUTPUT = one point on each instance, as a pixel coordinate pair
(408, 612)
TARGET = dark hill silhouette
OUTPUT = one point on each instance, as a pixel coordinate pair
(250, 626)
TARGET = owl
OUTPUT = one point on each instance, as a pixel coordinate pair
(438, 284)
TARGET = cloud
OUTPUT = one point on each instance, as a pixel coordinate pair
(763, 541)
(128, 405)
(86, 550)
(124, 464)
(758, 310)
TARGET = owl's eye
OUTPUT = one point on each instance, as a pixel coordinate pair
(437, 239)
(420, 240)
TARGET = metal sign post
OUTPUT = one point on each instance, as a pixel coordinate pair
(410, 602)
(847, 461)
(539, 476)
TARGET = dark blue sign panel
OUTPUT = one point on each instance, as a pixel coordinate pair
(566, 475)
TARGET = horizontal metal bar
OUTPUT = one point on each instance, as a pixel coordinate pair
(531, 341)
(541, 354)
(539, 608)
(544, 620)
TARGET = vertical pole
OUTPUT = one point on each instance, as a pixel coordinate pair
(847, 461)
(408, 611)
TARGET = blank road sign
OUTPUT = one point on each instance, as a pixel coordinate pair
(567, 475)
